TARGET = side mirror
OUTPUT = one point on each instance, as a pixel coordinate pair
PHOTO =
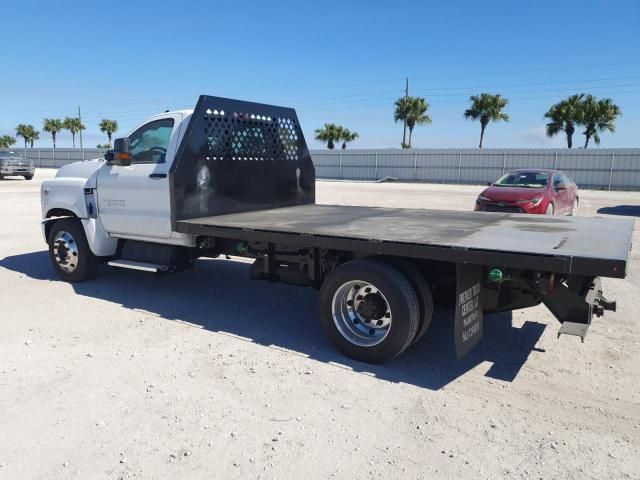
(120, 155)
(489, 184)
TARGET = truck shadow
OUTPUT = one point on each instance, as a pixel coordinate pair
(628, 210)
(218, 296)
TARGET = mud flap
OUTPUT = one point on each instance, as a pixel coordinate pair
(574, 303)
(468, 319)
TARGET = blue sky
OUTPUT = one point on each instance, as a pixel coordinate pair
(334, 61)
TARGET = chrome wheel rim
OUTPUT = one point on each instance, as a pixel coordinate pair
(65, 251)
(361, 313)
(550, 209)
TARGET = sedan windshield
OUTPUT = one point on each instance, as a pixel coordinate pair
(523, 179)
(6, 154)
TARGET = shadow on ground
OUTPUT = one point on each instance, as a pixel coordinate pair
(217, 295)
(628, 210)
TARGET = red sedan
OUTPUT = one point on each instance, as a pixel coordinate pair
(547, 192)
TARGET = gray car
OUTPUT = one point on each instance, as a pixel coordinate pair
(12, 164)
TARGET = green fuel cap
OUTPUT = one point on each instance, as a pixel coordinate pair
(496, 275)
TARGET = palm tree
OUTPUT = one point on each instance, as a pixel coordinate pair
(346, 136)
(400, 114)
(598, 116)
(487, 108)
(33, 135)
(109, 127)
(413, 110)
(25, 131)
(28, 133)
(74, 125)
(564, 116)
(53, 126)
(6, 141)
(330, 133)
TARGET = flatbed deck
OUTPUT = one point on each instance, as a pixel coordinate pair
(568, 245)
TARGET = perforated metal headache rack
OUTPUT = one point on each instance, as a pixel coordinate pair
(243, 171)
(240, 156)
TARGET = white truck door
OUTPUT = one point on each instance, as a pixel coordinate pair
(135, 200)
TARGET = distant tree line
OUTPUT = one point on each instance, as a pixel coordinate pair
(54, 126)
(583, 111)
(577, 111)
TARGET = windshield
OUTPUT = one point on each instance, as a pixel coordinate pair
(6, 154)
(523, 179)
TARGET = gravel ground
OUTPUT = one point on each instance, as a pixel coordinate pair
(204, 374)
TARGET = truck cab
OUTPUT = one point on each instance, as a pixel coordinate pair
(115, 199)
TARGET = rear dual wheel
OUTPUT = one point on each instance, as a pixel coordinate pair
(370, 310)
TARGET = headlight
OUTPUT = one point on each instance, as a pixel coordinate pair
(535, 202)
(483, 199)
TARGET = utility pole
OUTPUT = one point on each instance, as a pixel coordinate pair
(80, 118)
(406, 97)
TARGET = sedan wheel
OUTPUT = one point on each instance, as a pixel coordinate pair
(549, 209)
(574, 208)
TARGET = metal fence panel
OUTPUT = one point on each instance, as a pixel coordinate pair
(625, 171)
(530, 159)
(598, 168)
(595, 168)
(56, 158)
(437, 167)
(481, 167)
(587, 169)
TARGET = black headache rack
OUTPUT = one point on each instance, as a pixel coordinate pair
(240, 156)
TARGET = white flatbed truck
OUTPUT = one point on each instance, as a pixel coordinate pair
(236, 178)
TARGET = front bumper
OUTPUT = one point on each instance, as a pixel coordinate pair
(17, 170)
(509, 207)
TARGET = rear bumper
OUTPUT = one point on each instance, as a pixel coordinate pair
(575, 302)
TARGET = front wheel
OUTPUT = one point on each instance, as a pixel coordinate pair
(69, 251)
(550, 209)
(28, 177)
(574, 208)
(369, 310)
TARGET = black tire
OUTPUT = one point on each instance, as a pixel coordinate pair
(1, 177)
(574, 207)
(402, 303)
(423, 293)
(86, 263)
(28, 177)
(552, 211)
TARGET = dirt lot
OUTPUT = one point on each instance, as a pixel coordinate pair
(204, 374)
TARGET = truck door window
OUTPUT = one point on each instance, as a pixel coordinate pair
(150, 142)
